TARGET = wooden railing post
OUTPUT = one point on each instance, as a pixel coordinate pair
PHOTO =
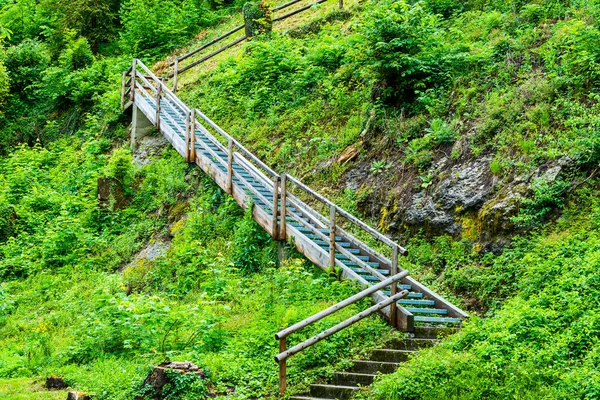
(275, 207)
(282, 367)
(188, 124)
(283, 226)
(123, 79)
(332, 212)
(133, 77)
(175, 72)
(158, 89)
(193, 134)
(394, 287)
(341, 3)
(230, 166)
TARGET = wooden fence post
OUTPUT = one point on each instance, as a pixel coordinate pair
(188, 124)
(123, 79)
(133, 77)
(332, 239)
(230, 166)
(175, 72)
(282, 367)
(158, 96)
(275, 207)
(283, 226)
(193, 134)
(341, 3)
(394, 287)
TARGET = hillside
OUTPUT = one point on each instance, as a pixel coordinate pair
(467, 132)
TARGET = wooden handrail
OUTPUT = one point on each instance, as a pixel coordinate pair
(215, 40)
(176, 64)
(237, 144)
(342, 304)
(299, 10)
(285, 5)
(344, 324)
(284, 353)
(348, 216)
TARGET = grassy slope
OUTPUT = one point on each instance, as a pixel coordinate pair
(67, 311)
(299, 100)
(523, 91)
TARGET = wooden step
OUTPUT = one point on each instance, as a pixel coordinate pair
(438, 311)
(437, 320)
(411, 302)
(362, 271)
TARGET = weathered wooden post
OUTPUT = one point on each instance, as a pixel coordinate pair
(258, 18)
(341, 3)
(394, 287)
(133, 77)
(188, 123)
(275, 207)
(175, 72)
(332, 239)
(230, 166)
(123, 79)
(193, 135)
(158, 96)
(282, 367)
(282, 216)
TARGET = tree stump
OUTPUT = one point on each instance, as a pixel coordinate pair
(158, 378)
(111, 193)
(55, 382)
(78, 396)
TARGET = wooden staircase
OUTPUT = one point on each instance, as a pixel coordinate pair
(344, 384)
(276, 207)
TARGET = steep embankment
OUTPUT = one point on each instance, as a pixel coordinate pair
(473, 120)
(215, 297)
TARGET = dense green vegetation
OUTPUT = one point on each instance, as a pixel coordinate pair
(405, 82)
(215, 297)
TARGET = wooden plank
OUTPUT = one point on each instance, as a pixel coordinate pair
(275, 209)
(237, 144)
(332, 239)
(394, 287)
(282, 216)
(251, 188)
(229, 166)
(346, 215)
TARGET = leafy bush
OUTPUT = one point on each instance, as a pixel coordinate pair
(152, 26)
(254, 249)
(406, 47)
(547, 197)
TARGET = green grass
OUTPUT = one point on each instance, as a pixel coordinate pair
(28, 389)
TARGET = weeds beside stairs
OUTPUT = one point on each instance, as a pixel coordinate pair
(344, 384)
